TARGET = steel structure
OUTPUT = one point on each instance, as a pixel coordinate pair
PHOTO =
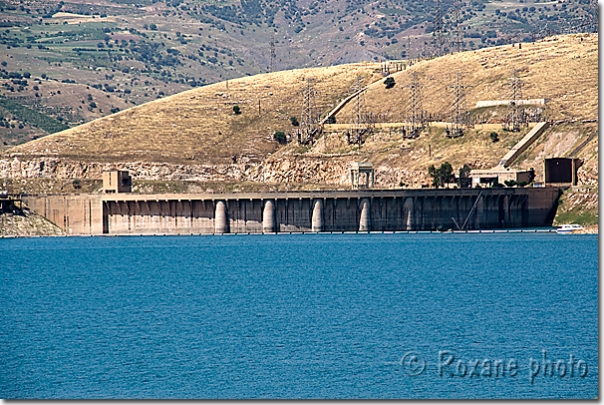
(415, 118)
(359, 125)
(309, 127)
(515, 116)
(457, 108)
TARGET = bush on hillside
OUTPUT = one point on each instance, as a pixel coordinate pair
(389, 82)
(279, 136)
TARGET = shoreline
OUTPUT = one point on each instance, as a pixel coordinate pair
(589, 231)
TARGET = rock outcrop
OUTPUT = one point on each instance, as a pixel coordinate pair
(289, 170)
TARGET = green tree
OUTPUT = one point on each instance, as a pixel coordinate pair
(294, 121)
(389, 82)
(494, 137)
(279, 136)
(236, 110)
(464, 179)
(442, 175)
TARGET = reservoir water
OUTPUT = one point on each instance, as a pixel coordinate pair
(300, 316)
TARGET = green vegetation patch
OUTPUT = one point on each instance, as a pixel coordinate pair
(33, 117)
(577, 217)
(390, 11)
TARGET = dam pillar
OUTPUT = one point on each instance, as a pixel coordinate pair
(317, 216)
(268, 216)
(365, 221)
(221, 218)
(408, 213)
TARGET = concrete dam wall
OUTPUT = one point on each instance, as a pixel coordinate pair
(311, 211)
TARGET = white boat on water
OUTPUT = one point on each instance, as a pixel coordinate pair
(568, 228)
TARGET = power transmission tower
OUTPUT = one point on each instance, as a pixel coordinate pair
(457, 31)
(309, 123)
(273, 53)
(515, 116)
(358, 121)
(439, 29)
(415, 111)
(457, 108)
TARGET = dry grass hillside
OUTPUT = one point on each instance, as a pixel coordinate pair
(563, 69)
(199, 126)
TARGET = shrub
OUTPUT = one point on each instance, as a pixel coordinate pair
(279, 136)
(389, 82)
(494, 137)
(236, 110)
(77, 184)
(294, 121)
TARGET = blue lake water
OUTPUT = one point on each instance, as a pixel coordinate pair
(300, 316)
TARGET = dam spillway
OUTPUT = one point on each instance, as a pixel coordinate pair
(300, 211)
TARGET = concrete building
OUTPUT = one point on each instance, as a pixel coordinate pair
(500, 175)
(362, 168)
(561, 171)
(117, 181)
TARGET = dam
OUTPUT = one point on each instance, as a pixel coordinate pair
(299, 211)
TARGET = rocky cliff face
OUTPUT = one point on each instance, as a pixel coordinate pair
(290, 170)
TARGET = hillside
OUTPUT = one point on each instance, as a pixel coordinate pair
(199, 125)
(74, 61)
